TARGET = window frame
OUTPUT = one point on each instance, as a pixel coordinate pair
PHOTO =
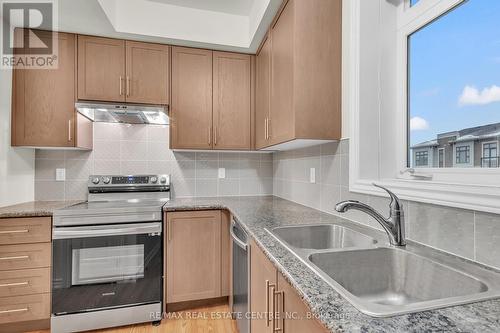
(426, 158)
(497, 144)
(375, 91)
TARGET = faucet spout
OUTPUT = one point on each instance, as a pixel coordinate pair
(393, 225)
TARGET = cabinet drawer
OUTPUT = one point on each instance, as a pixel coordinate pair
(24, 308)
(25, 282)
(24, 256)
(25, 230)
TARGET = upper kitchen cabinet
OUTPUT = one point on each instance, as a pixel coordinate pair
(191, 106)
(114, 70)
(43, 102)
(231, 101)
(262, 94)
(147, 77)
(305, 76)
(211, 100)
(101, 69)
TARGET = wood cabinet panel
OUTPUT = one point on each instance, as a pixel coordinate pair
(25, 230)
(317, 69)
(25, 256)
(24, 308)
(193, 246)
(101, 69)
(231, 100)
(147, 73)
(282, 81)
(289, 302)
(263, 279)
(25, 282)
(262, 96)
(191, 104)
(43, 100)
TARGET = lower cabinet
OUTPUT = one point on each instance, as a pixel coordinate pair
(25, 266)
(197, 256)
(274, 304)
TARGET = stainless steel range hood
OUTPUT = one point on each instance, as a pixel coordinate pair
(124, 113)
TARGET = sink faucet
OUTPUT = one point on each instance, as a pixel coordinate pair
(394, 225)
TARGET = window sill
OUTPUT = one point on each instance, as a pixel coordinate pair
(484, 198)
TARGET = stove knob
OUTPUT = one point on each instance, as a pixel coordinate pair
(154, 180)
(95, 180)
(163, 180)
(106, 180)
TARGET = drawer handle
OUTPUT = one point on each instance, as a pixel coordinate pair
(13, 311)
(108, 294)
(14, 231)
(15, 284)
(14, 258)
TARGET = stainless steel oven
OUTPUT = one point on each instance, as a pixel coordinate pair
(102, 267)
(107, 257)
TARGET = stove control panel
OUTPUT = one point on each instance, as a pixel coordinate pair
(101, 183)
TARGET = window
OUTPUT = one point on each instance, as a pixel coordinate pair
(441, 157)
(422, 158)
(463, 155)
(454, 81)
(490, 157)
(413, 2)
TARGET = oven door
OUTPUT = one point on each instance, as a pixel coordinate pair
(98, 267)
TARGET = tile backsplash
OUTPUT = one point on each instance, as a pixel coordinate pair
(469, 234)
(138, 149)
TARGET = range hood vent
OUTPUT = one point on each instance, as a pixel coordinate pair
(124, 113)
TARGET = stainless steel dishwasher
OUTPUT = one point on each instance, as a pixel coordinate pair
(241, 277)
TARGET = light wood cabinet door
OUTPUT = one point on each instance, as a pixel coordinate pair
(43, 100)
(263, 279)
(289, 302)
(191, 105)
(262, 94)
(231, 100)
(282, 120)
(101, 69)
(193, 245)
(225, 253)
(147, 73)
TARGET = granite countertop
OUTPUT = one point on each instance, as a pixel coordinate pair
(338, 315)
(34, 208)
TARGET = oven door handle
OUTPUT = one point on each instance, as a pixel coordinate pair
(100, 231)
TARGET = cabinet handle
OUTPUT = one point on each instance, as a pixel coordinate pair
(15, 284)
(13, 231)
(215, 135)
(121, 85)
(128, 86)
(265, 128)
(268, 128)
(210, 136)
(14, 258)
(70, 138)
(281, 314)
(268, 286)
(13, 311)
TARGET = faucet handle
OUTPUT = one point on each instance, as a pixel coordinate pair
(395, 202)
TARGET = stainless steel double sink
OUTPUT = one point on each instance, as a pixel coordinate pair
(383, 281)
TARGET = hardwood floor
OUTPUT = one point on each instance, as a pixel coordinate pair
(214, 319)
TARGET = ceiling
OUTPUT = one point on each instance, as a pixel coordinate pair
(229, 25)
(236, 7)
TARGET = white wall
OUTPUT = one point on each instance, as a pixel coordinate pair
(17, 165)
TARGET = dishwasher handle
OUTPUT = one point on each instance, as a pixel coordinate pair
(235, 238)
